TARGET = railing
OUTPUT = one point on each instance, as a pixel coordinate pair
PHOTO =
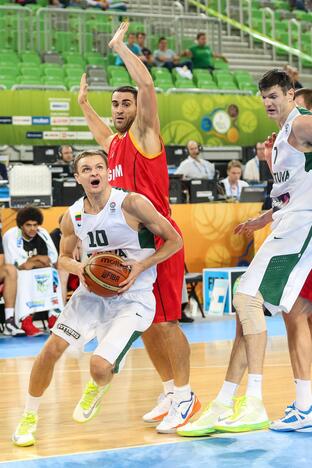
(266, 40)
(24, 25)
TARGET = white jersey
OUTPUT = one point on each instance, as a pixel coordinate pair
(292, 173)
(108, 231)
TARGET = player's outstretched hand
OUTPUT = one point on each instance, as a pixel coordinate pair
(119, 35)
(83, 92)
(249, 227)
(136, 269)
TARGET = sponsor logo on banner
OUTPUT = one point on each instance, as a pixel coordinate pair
(77, 121)
(34, 135)
(60, 121)
(51, 135)
(42, 282)
(21, 120)
(59, 105)
(84, 136)
(5, 120)
(41, 120)
(68, 331)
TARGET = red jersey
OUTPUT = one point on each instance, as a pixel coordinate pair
(129, 168)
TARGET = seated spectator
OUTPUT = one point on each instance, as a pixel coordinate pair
(201, 54)
(168, 58)
(133, 46)
(251, 171)
(232, 184)
(8, 279)
(66, 157)
(194, 167)
(146, 53)
(28, 246)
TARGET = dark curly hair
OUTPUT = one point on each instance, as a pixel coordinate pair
(29, 213)
(276, 77)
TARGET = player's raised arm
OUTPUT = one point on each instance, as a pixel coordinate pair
(101, 132)
(147, 115)
(67, 248)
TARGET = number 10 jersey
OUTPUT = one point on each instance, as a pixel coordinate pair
(108, 231)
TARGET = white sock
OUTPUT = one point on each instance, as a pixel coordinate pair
(303, 394)
(182, 393)
(254, 386)
(32, 403)
(227, 393)
(168, 386)
(9, 312)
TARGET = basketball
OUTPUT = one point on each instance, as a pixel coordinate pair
(104, 272)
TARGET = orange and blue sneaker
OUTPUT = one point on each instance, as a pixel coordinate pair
(179, 414)
(161, 410)
(293, 420)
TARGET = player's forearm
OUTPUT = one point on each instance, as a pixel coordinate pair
(99, 130)
(135, 66)
(70, 265)
(266, 217)
(169, 248)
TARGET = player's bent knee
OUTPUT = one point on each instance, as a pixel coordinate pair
(53, 349)
(250, 312)
(100, 368)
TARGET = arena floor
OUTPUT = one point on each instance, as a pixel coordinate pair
(118, 437)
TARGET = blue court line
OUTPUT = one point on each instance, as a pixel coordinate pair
(196, 332)
(257, 449)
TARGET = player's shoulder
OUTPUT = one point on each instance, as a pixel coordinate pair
(134, 200)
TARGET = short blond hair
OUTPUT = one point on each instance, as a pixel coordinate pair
(234, 163)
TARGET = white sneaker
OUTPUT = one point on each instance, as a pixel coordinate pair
(293, 420)
(249, 415)
(11, 329)
(24, 436)
(89, 404)
(215, 412)
(179, 414)
(161, 409)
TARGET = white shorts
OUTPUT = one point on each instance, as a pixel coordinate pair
(116, 322)
(282, 264)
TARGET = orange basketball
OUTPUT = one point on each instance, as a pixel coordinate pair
(104, 272)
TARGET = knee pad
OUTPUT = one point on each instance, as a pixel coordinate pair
(250, 312)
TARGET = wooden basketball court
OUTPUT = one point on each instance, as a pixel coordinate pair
(132, 393)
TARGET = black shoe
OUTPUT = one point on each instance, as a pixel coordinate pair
(11, 329)
(185, 319)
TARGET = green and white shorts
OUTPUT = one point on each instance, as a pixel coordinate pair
(116, 322)
(282, 264)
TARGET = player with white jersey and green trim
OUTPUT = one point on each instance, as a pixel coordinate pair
(276, 275)
(106, 219)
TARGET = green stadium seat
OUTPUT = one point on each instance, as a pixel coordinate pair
(72, 82)
(164, 85)
(160, 71)
(8, 83)
(57, 73)
(249, 87)
(119, 81)
(71, 58)
(30, 57)
(66, 41)
(117, 71)
(136, 27)
(96, 60)
(10, 71)
(220, 64)
(206, 84)
(31, 72)
(30, 81)
(51, 80)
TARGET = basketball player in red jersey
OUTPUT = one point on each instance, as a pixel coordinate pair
(137, 162)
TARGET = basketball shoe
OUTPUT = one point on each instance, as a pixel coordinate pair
(293, 420)
(249, 415)
(29, 328)
(90, 402)
(158, 413)
(179, 414)
(25, 431)
(212, 415)
(11, 329)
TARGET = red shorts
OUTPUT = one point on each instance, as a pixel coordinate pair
(168, 285)
(306, 291)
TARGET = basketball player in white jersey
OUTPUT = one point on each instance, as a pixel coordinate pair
(299, 333)
(288, 246)
(107, 219)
